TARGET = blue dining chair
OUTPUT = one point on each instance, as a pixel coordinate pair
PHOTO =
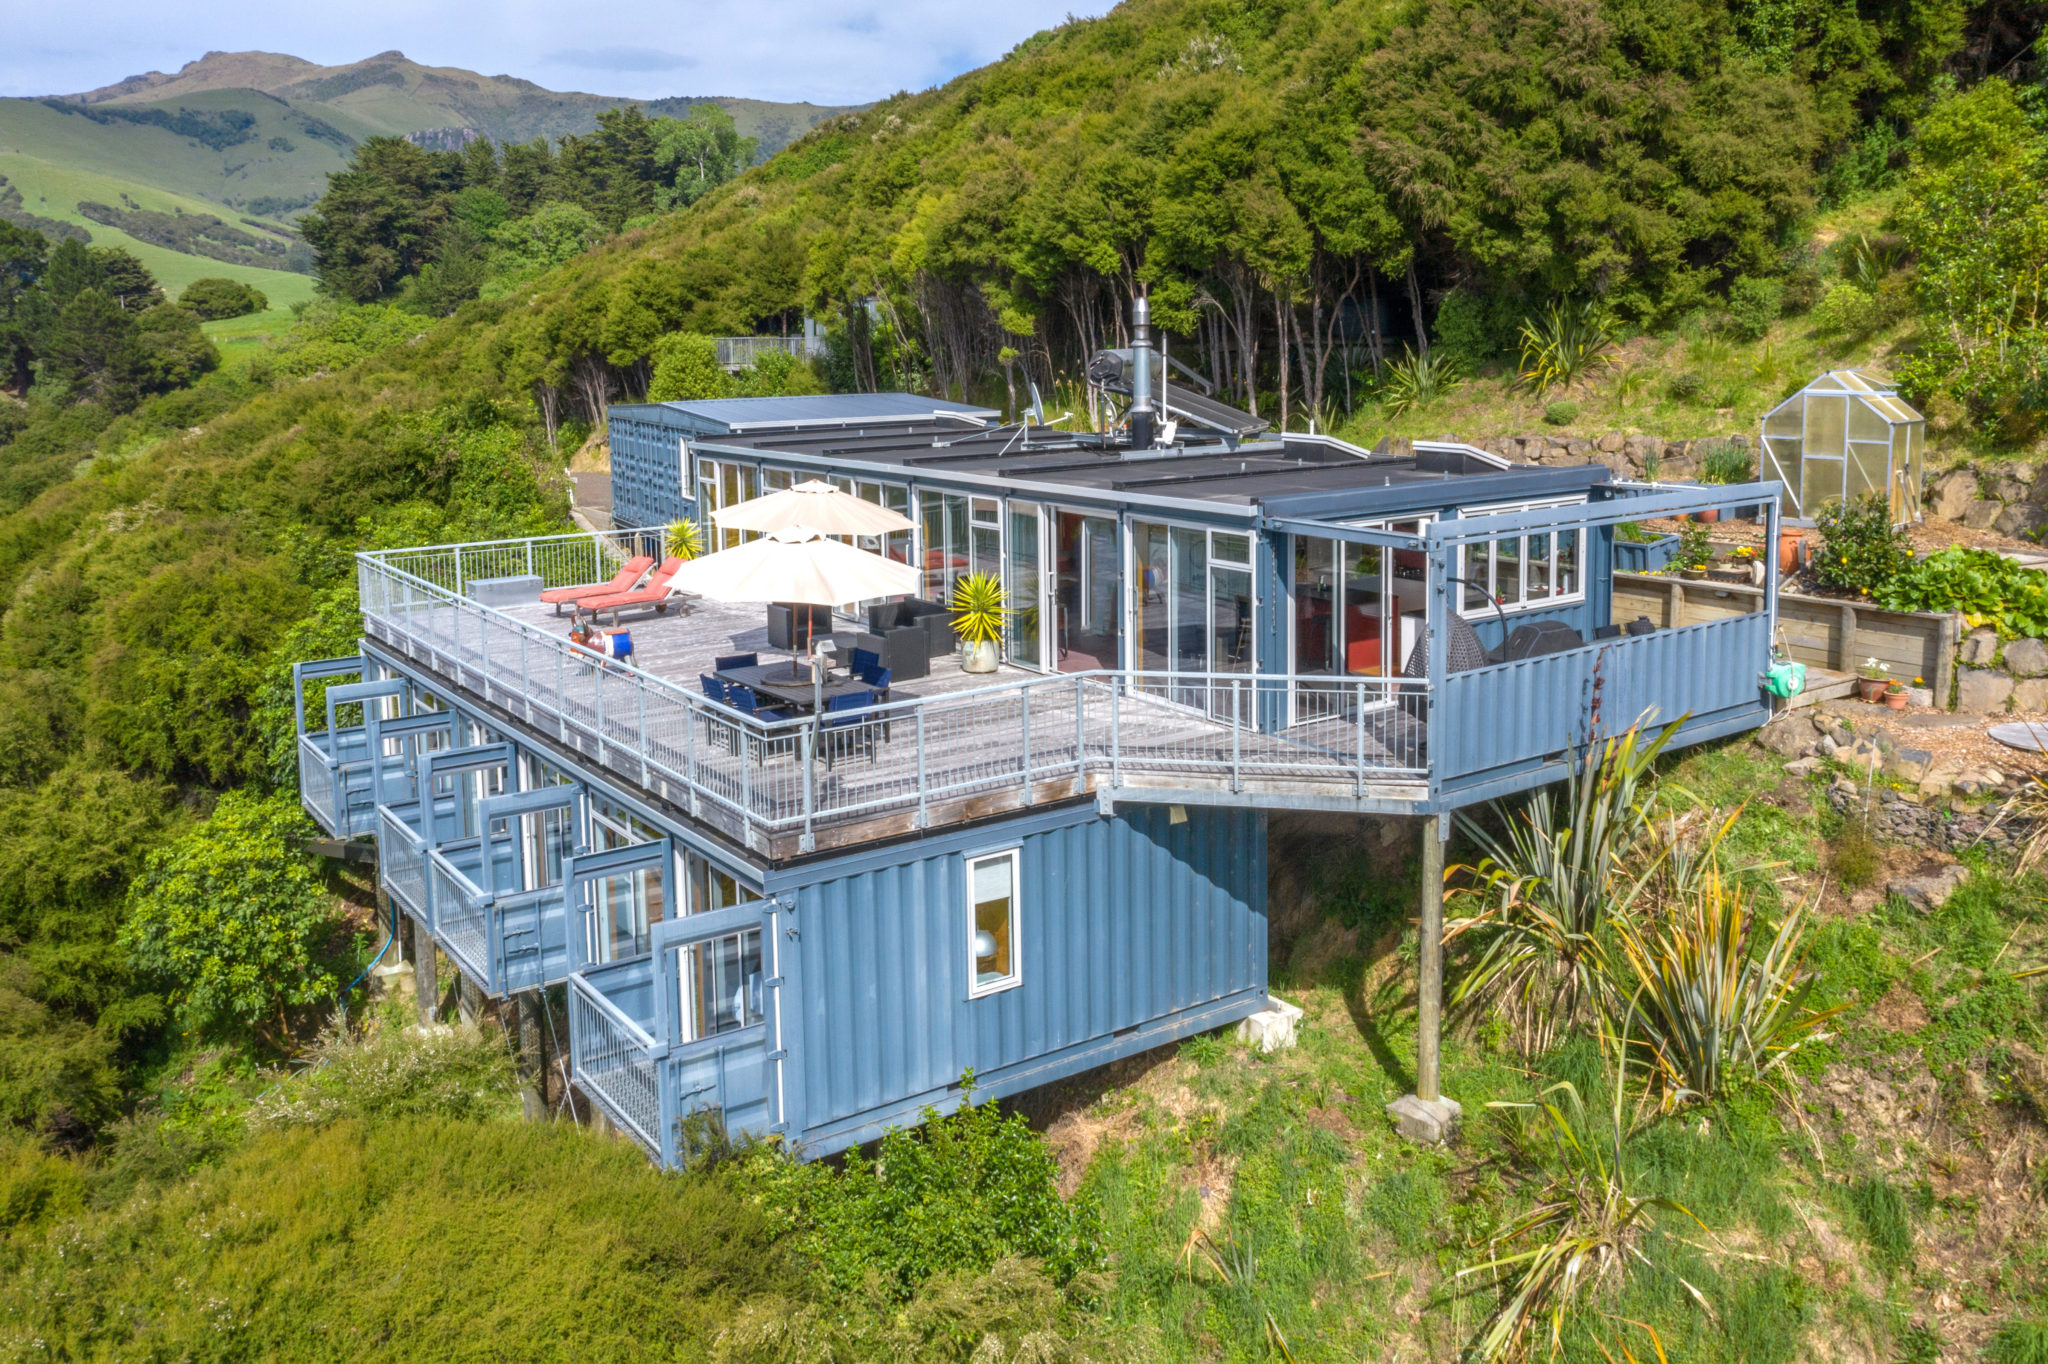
(839, 729)
(714, 687)
(718, 731)
(745, 702)
(731, 661)
(861, 662)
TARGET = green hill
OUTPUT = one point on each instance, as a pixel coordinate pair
(255, 135)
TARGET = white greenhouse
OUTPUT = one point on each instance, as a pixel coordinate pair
(1845, 434)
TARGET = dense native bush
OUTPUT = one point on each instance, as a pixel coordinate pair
(955, 1194)
(233, 917)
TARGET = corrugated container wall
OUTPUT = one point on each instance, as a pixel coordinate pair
(647, 473)
(1126, 921)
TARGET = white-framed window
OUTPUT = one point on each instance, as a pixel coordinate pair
(993, 941)
(719, 985)
(1522, 572)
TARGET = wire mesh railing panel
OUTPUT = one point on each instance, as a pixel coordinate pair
(401, 861)
(459, 909)
(613, 1061)
(316, 784)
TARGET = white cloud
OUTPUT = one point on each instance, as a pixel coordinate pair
(830, 53)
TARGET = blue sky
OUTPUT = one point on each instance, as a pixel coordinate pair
(831, 53)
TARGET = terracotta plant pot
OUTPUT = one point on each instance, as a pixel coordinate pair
(1711, 514)
(1871, 689)
(1895, 699)
(1791, 539)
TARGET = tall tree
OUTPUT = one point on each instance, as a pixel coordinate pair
(698, 154)
(376, 223)
(24, 254)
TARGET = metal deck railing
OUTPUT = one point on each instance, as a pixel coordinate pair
(614, 1060)
(771, 784)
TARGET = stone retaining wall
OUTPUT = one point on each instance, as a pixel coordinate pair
(1901, 817)
(2011, 499)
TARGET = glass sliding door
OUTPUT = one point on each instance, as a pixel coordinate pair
(946, 552)
(1191, 610)
(1357, 613)
(1023, 578)
(1087, 591)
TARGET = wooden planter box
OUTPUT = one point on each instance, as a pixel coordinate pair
(1820, 632)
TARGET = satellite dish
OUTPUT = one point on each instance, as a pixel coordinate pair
(1036, 412)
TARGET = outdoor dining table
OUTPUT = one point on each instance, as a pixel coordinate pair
(793, 688)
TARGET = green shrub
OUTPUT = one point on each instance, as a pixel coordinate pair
(1695, 545)
(1987, 587)
(233, 918)
(1561, 413)
(1753, 305)
(1881, 1211)
(213, 299)
(1846, 310)
(1475, 327)
(1861, 550)
(1685, 387)
(958, 1193)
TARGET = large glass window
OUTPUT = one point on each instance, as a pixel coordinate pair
(1087, 591)
(946, 552)
(547, 837)
(720, 485)
(1022, 578)
(625, 905)
(719, 983)
(708, 886)
(1520, 572)
(992, 956)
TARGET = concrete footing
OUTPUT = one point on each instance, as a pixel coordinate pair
(1431, 1122)
(1271, 1029)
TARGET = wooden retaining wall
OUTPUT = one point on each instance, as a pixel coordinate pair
(1820, 632)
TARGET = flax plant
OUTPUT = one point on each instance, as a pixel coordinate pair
(1710, 1007)
(1585, 1230)
(1565, 345)
(1545, 887)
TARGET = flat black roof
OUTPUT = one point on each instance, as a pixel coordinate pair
(1304, 476)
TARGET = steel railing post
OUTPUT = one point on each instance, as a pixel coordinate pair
(1116, 739)
(923, 776)
(690, 709)
(1024, 715)
(597, 708)
(808, 738)
(1236, 737)
(1359, 756)
(642, 685)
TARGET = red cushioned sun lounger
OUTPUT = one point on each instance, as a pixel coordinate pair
(622, 581)
(653, 593)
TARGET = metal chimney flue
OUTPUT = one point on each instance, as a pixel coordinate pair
(1143, 419)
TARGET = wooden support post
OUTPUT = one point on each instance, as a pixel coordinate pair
(1848, 632)
(426, 988)
(1426, 1115)
(532, 1064)
(1674, 604)
(1430, 998)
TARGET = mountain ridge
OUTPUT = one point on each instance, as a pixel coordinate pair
(389, 92)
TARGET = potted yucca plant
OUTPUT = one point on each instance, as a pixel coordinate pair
(685, 539)
(980, 610)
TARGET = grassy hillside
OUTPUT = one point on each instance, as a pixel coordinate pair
(55, 191)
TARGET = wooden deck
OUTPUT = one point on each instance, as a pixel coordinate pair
(680, 644)
(948, 748)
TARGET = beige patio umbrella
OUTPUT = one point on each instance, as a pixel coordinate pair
(796, 564)
(817, 505)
